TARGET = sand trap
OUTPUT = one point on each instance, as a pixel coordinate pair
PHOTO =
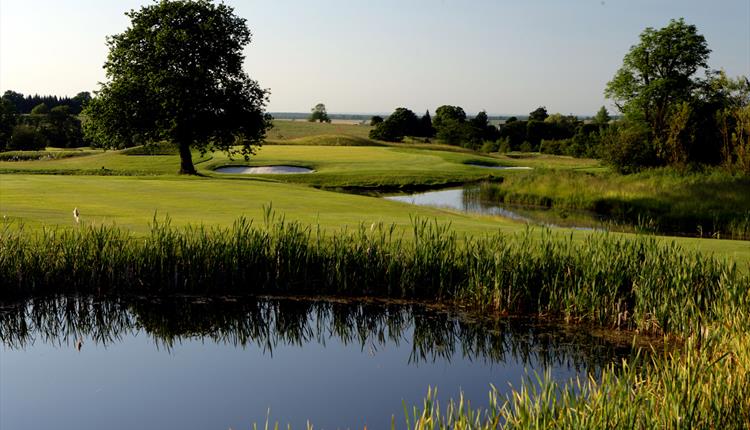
(501, 167)
(262, 170)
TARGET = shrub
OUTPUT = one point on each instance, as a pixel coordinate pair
(26, 138)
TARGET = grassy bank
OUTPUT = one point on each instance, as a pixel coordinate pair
(635, 284)
(704, 385)
(129, 202)
(709, 203)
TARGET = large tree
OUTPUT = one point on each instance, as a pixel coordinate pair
(658, 75)
(176, 74)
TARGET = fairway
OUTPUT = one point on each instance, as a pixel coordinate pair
(132, 202)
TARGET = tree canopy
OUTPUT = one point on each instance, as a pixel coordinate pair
(658, 73)
(318, 113)
(176, 74)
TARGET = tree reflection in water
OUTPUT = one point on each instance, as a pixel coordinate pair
(434, 333)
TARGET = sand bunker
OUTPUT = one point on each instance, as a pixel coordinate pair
(262, 170)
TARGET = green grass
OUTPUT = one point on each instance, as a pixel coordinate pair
(367, 167)
(131, 202)
(99, 162)
(606, 280)
(709, 203)
(285, 129)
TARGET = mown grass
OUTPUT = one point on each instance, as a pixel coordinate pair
(287, 129)
(102, 163)
(38, 201)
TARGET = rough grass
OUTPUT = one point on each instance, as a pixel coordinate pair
(707, 203)
(606, 280)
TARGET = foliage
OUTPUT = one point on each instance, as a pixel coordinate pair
(425, 126)
(605, 280)
(24, 104)
(682, 120)
(8, 120)
(319, 114)
(538, 114)
(602, 117)
(450, 125)
(26, 138)
(375, 120)
(402, 122)
(40, 109)
(712, 203)
(176, 74)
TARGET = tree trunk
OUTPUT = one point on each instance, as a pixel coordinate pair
(186, 160)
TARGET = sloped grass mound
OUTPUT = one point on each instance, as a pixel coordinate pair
(41, 155)
(327, 140)
(161, 148)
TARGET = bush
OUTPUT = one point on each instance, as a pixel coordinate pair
(526, 146)
(628, 148)
(26, 138)
(488, 147)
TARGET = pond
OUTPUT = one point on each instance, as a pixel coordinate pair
(197, 363)
(471, 198)
(262, 170)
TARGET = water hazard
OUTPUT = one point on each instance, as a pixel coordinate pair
(470, 199)
(196, 363)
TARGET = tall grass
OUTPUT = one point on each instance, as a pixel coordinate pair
(710, 203)
(705, 385)
(607, 280)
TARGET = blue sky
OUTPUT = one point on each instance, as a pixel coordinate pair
(372, 56)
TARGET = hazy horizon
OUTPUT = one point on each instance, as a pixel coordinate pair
(367, 58)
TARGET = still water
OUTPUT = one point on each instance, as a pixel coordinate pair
(470, 199)
(196, 363)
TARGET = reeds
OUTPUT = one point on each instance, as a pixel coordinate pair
(608, 280)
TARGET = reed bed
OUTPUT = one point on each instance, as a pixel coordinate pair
(704, 385)
(607, 280)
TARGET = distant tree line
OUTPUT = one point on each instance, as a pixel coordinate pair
(41, 126)
(555, 133)
(24, 104)
(670, 116)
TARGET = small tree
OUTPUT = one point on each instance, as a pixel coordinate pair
(602, 117)
(425, 125)
(402, 122)
(538, 114)
(450, 125)
(318, 113)
(40, 109)
(176, 74)
(375, 120)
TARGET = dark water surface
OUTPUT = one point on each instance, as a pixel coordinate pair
(471, 199)
(193, 363)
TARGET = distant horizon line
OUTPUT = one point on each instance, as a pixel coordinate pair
(469, 114)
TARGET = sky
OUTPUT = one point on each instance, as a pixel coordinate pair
(505, 57)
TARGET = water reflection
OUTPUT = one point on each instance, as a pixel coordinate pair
(475, 198)
(432, 334)
(196, 363)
